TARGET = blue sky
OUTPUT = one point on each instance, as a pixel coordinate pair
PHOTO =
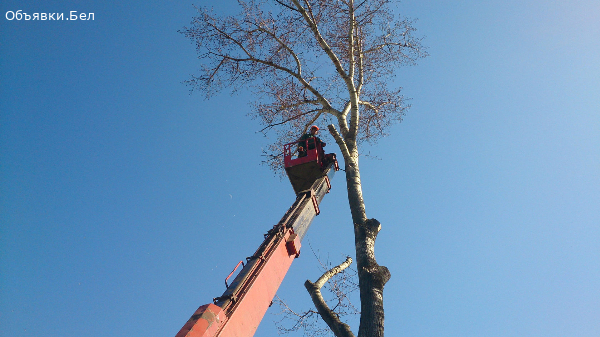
(125, 201)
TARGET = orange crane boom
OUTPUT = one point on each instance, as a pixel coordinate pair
(238, 312)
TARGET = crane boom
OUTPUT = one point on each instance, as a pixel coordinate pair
(238, 312)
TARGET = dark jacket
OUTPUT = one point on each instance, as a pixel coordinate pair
(311, 141)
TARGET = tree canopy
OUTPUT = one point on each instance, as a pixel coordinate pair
(309, 62)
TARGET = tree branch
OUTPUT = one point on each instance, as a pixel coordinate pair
(339, 328)
(286, 6)
(369, 105)
(339, 140)
(361, 70)
(387, 44)
(312, 121)
(298, 75)
(288, 120)
(285, 46)
(321, 40)
(351, 36)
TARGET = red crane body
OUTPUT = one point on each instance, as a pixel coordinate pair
(238, 312)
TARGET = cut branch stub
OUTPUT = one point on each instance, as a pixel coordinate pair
(372, 279)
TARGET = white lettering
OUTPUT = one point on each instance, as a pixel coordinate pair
(73, 15)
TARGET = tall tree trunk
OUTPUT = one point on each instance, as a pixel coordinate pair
(372, 277)
(355, 198)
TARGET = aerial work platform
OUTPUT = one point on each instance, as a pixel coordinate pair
(303, 171)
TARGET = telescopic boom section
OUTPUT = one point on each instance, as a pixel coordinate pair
(238, 312)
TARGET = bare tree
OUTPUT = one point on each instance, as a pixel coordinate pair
(317, 62)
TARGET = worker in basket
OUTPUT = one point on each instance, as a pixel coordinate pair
(310, 140)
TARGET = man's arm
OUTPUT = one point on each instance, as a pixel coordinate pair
(320, 141)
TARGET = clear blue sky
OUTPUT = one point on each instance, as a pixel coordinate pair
(125, 201)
